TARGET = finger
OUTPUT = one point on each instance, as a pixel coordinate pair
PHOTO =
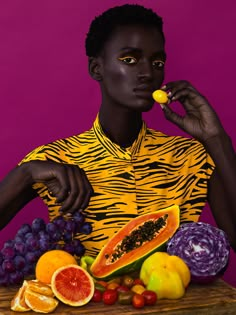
(64, 183)
(88, 192)
(173, 117)
(72, 193)
(182, 94)
(84, 193)
(175, 85)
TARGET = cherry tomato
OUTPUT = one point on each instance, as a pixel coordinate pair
(127, 281)
(138, 301)
(97, 296)
(125, 297)
(116, 280)
(138, 288)
(113, 285)
(110, 297)
(99, 287)
(150, 297)
(122, 288)
(138, 281)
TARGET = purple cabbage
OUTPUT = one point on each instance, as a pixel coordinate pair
(204, 248)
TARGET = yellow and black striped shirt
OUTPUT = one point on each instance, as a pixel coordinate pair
(157, 171)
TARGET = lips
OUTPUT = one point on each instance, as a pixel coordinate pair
(143, 91)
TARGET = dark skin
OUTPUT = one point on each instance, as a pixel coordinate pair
(129, 69)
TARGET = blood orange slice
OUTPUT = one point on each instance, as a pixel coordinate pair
(72, 285)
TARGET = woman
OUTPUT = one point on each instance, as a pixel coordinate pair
(120, 168)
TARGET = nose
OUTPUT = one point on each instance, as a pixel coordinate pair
(145, 70)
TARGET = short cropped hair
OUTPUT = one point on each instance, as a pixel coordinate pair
(104, 25)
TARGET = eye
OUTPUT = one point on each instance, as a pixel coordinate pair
(128, 59)
(158, 64)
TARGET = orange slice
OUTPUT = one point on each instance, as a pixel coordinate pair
(72, 285)
(39, 287)
(18, 302)
(39, 302)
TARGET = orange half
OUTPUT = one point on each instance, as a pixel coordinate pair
(72, 285)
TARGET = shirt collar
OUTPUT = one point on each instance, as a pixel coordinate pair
(115, 149)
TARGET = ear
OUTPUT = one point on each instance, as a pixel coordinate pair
(95, 68)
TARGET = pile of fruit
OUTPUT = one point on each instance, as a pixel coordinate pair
(60, 279)
(124, 290)
(18, 257)
(164, 256)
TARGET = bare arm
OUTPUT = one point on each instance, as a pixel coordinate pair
(222, 185)
(68, 183)
(201, 122)
(15, 191)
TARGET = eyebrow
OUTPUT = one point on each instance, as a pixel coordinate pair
(138, 50)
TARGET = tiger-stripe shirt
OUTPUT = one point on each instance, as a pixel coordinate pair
(157, 171)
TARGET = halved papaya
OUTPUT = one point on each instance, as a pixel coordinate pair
(133, 243)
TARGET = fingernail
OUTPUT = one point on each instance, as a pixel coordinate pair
(162, 106)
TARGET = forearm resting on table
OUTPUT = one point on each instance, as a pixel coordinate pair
(222, 192)
(15, 191)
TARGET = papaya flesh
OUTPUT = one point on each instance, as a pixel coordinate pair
(132, 244)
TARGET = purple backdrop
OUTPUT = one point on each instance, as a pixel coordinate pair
(46, 92)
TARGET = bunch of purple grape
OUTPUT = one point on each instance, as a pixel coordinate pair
(18, 257)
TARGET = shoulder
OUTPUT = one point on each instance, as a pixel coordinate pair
(60, 149)
(161, 138)
(185, 150)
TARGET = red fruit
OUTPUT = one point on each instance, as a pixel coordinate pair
(72, 285)
(97, 296)
(150, 297)
(110, 297)
(113, 285)
(122, 288)
(128, 281)
(138, 281)
(138, 301)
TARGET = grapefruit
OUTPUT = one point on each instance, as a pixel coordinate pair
(72, 285)
(50, 261)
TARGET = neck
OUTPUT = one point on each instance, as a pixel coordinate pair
(123, 128)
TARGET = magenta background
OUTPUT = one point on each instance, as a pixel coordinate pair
(46, 92)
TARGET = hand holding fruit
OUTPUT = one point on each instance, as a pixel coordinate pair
(67, 183)
(200, 120)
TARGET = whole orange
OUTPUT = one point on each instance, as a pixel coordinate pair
(50, 261)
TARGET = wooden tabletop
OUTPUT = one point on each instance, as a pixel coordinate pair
(212, 299)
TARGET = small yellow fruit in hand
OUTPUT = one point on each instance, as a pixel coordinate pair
(160, 96)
